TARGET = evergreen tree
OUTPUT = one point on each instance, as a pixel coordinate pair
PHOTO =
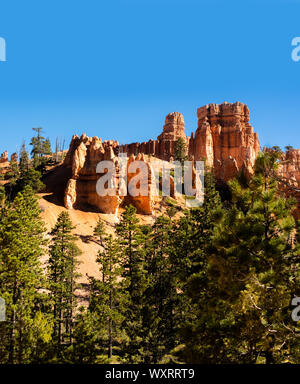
(132, 261)
(180, 150)
(62, 276)
(24, 160)
(106, 299)
(161, 298)
(47, 147)
(99, 231)
(40, 148)
(85, 348)
(13, 176)
(192, 240)
(21, 278)
(249, 278)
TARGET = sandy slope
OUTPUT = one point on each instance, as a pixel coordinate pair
(84, 223)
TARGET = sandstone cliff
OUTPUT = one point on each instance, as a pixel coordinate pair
(84, 155)
(4, 157)
(163, 147)
(289, 174)
(224, 138)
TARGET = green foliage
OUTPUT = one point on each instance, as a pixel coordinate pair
(21, 279)
(180, 150)
(41, 147)
(248, 280)
(22, 175)
(208, 285)
(132, 261)
(62, 277)
(99, 231)
(24, 162)
(106, 299)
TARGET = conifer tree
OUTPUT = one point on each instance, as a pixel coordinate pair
(248, 280)
(99, 231)
(132, 261)
(161, 295)
(106, 297)
(21, 278)
(62, 274)
(85, 348)
(40, 148)
(180, 150)
(24, 160)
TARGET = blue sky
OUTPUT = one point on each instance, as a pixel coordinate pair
(116, 68)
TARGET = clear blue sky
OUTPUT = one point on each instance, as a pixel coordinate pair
(116, 68)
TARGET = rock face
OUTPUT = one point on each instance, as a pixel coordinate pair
(225, 139)
(14, 158)
(144, 200)
(4, 157)
(164, 146)
(172, 131)
(289, 173)
(84, 155)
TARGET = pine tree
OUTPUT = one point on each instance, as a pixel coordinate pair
(21, 278)
(13, 176)
(62, 266)
(99, 231)
(31, 178)
(180, 150)
(24, 160)
(191, 244)
(22, 175)
(85, 348)
(245, 316)
(47, 147)
(106, 297)
(40, 148)
(130, 235)
(161, 298)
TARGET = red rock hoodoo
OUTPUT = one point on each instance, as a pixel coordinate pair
(224, 138)
(163, 147)
(4, 157)
(289, 173)
(84, 155)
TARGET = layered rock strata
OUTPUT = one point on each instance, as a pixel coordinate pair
(224, 138)
(4, 157)
(83, 157)
(164, 146)
(289, 174)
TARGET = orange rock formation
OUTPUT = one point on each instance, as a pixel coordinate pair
(84, 155)
(224, 138)
(290, 175)
(4, 157)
